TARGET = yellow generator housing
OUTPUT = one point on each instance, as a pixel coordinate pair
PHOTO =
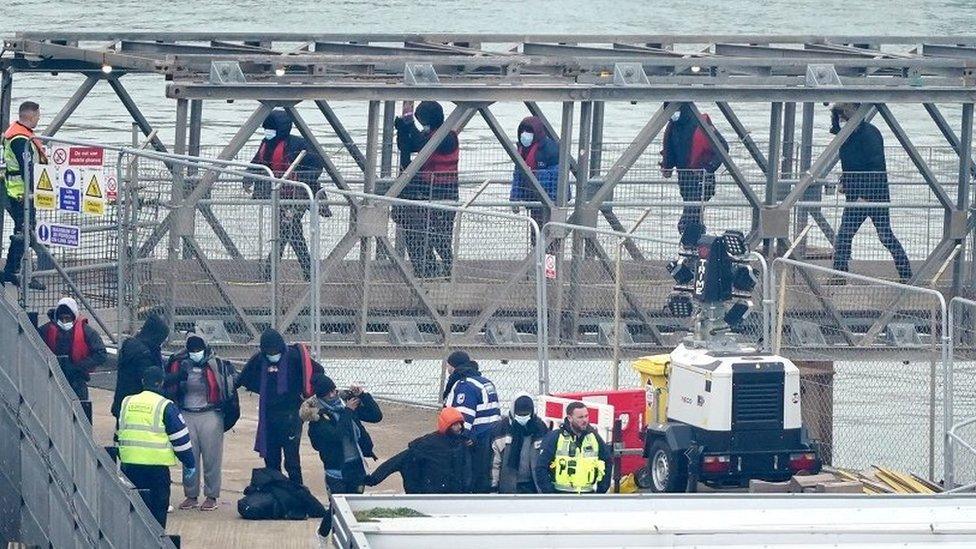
(654, 372)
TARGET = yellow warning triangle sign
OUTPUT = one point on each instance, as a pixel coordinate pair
(44, 182)
(94, 190)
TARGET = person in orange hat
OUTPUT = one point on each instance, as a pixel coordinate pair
(436, 463)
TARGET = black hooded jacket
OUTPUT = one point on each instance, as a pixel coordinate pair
(135, 356)
(432, 464)
(411, 139)
(308, 171)
(862, 159)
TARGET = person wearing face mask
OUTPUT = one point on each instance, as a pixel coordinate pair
(574, 458)
(77, 345)
(200, 384)
(21, 152)
(688, 150)
(427, 233)
(436, 463)
(335, 428)
(516, 441)
(136, 355)
(278, 149)
(541, 154)
(282, 375)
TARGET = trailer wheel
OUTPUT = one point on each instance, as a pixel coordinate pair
(669, 471)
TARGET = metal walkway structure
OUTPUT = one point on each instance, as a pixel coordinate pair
(774, 182)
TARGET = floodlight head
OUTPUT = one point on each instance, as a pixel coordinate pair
(743, 279)
(680, 271)
(681, 305)
(735, 243)
(738, 312)
(692, 234)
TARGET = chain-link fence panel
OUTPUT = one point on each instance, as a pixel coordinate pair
(872, 359)
(962, 393)
(416, 279)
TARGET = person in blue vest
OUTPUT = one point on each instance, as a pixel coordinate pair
(427, 232)
(541, 154)
(475, 397)
(277, 151)
(152, 437)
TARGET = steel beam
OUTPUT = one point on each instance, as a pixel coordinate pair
(625, 290)
(596, 143)
(366, 244)
(414, 285)
(498, 294)
(327, 265)
(745, 136)
(134, 112)
(536, 111)
(191, 242)
(386, 164)
(565, 152)
(963, 191)
(69, 108)
(789, 141)
(923, 168)
(330, 168)
(946, 129)
(341, 132)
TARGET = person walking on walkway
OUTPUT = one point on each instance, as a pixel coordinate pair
(515, 442)
(282, 375)
(436, 463)
(864, 182)
(77, 346)
(199, 384)
(688, 150)
(541, 154)
(277, 151)
(152, 437)
(427, 232)
(21, 152)
(574, 458)
(475, 397)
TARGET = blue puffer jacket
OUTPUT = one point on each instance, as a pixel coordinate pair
(543, 157)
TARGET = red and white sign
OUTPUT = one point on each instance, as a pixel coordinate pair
(111, 188)
(550, 266)
(552, 411)
(85, 156)
(60, 156)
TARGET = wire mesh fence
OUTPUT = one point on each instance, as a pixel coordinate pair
(962, 391)
(866, 411)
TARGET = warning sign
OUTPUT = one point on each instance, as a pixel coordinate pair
(111, 188)
(93, 202)
(42, 180)
(86, 156)
(550, 266)
(44, 188)
(59, 156)
(54, 234)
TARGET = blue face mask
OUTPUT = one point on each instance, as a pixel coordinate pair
(273, 358)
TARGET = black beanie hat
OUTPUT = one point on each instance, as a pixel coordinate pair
(458, 359)
(523, 405)
(272, 343)
(323, 385)
(195, 343)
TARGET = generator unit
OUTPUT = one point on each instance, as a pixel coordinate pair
(730, 412)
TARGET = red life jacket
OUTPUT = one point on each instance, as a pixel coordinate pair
(209, 377)
(79, 347)
(307, 390)
(701, 147)
(529, 155)
(279, 157)
(442, 168)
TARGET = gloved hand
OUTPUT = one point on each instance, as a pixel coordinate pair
(369, 481)
(189, 473)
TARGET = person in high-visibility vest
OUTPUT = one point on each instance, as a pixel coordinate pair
(21, 151)
(152, 436)
(574, 458)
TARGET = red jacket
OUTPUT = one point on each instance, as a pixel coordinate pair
(79, 347)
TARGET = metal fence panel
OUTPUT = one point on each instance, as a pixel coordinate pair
(885, 408)
(962, 390)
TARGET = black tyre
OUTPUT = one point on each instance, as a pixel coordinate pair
(669, 470)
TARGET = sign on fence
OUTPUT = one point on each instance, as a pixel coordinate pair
(44, 178)
(56, 234)
(94, 201)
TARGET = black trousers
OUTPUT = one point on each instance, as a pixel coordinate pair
(153, 483)
(16, 252)
(694, 186)
(481, 457)
(427, 234)
(292, 234)
(284, 439)
(851, 220)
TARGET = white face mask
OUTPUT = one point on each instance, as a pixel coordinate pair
(522, 420)
(676, 116)
(269, 134)
(274, 358)
(196, 356)
(526, 138)
(66, 325)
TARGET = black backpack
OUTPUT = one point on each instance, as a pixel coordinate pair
(272, 496)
